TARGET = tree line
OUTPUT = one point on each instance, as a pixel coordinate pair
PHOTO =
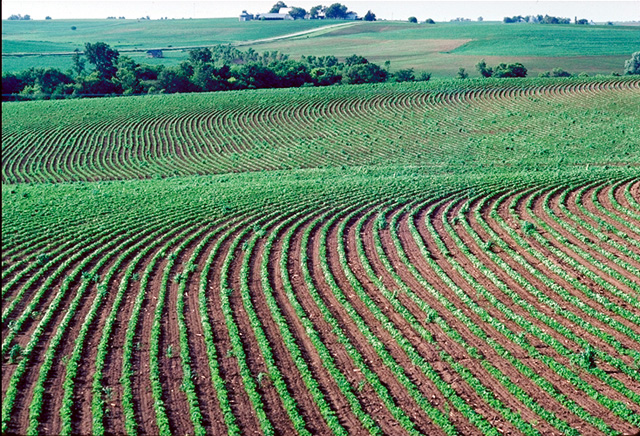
(221, 68)
(547, 19)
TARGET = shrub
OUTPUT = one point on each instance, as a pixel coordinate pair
(632, 66)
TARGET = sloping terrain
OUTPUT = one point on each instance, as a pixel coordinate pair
(406, 259)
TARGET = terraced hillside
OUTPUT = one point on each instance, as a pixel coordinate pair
(414, 261)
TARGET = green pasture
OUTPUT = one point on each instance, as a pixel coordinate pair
(57, 35)
(444, 47)
(440, 49)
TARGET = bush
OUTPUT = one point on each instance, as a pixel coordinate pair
(365, 73)
(632, 66)
(404, 75)
(510, 70)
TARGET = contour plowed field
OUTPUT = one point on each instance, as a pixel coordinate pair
(134, 138)
(496, 296)
(502, 309)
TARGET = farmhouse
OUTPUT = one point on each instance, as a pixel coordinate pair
(154, 53)
(245, 16)
(282, 14)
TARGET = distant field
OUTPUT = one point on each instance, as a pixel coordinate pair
(56, 36)
(444, 47)
(440, 49)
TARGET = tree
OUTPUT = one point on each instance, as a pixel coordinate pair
(127, 76)
(297, 13)
(369, 16)
(103, 57)
(314, 11)
(355, 60)
(462, 74)
(19, 17)
(175, 79)
(365, 73)
(483, 69)
(276, 8)
(404, 75)
(11, 84)
(510, 70)
(336, 11)
(50, 79)
(429, 21)
(291, 74)
(205, 77)
(632, 66)
(413, 20)
(47, 17)
(94, 85)
(559, 72)
(78, 62)
(200, 56)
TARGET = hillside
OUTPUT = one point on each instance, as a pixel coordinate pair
(439, 258)
(440, 49)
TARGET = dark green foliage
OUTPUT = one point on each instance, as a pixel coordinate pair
(462, 74)
(200, 56)
(175, 79)
(276, 8)
(291, 74)
(413, 20)
(547, 19)
(103, 57)
(336, 11)
(297, 13)
(314, 11)
(510, 70)
(483, 69)
(355, 60)
(632, 66)
(429, 21)
(556, 72)
(11, 84)
(502, 70)
(404, 75)
(369, 16)
(78, 62)
(365, 73)
(15, 17)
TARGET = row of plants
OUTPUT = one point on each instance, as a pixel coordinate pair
(574, 379)
(142, 138)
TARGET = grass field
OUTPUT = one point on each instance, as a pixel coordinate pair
(439, 258)
(440, 49)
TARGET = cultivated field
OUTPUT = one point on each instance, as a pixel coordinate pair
(440, 49)
(396, 259)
